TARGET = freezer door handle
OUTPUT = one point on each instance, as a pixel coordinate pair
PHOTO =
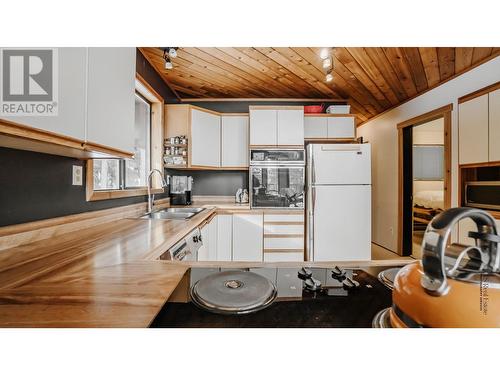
(346, 148)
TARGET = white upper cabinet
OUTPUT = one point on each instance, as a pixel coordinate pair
(291, 127)
(315, 127)
(263, 127)
(70, 120)
(273, 127)
(234, 139)
(473, 130)
(205, 139)
(341, 127)
(111, 97)
(494, 125)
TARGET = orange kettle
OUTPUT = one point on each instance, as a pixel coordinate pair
(453, 285)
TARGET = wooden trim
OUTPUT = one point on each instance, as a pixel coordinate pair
(203, 168)
(23, 131)
(479, 92)
(204, 110)
(25, 233)
(329, 115)
(444, 112)
(299, 251)
(426, 117)
(306, 100)
(150, 88)
(283, 222)
(269, 235)
(292, 147)
(431, 88)
(273, 107)
(484, 164)
(107, 151)
(42, 141)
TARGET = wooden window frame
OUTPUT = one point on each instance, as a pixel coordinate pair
(445, 113)
(156, 150)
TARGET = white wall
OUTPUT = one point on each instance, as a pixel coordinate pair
(430, 133)
(382, 134)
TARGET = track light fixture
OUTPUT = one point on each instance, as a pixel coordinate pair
(168, 54)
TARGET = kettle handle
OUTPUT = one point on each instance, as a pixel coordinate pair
(435, 242)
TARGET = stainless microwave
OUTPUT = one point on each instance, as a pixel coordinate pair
(483, 194)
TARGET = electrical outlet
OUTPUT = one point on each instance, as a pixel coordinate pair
(77, 175)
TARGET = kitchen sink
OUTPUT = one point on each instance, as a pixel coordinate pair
(174, 213)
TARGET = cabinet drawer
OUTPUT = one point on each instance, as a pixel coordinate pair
(284, 257)
(284, 229)
(296, 242)
(276, 218)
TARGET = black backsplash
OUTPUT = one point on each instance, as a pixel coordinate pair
(35, 186)
(214, 182)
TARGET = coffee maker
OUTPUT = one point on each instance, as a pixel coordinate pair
(180, 190)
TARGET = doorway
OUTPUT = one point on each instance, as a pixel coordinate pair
(424, 175)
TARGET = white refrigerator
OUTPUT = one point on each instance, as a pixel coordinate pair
(338, 202)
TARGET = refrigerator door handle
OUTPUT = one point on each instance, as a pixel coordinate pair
(313, 171)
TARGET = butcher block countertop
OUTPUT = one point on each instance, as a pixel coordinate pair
(107, 275)
(103, 276)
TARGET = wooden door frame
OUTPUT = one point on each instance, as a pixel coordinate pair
(445, 113)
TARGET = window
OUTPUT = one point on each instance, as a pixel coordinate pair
(116, 174)
(428, 162)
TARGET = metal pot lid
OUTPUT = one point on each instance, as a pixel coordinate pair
(382, 319)
(233, 292)
(388, 276)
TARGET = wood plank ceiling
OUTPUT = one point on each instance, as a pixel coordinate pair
(371, 79)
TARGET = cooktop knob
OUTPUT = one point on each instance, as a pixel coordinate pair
(350, 284)
(338, 273)
(304, 273)
(312, 284)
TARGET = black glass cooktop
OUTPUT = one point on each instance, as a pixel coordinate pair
(333, 307)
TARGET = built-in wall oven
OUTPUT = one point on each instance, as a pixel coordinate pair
(483, 194)
(277, 178)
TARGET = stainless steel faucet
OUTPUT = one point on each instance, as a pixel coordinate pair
(457, 261)
(151, 197)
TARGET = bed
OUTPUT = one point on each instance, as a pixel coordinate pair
(426, 205)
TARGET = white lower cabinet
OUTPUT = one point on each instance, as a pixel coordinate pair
(284, 237)
(208, 251)
(225, 237)
(203, 252)
(247, 237)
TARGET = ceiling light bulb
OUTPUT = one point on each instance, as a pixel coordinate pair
(172, 52)
(329, 77)
(327, 63)
(168, 65)
(324, 53)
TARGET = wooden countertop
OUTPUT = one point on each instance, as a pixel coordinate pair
(106, 275)
(103, 276)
